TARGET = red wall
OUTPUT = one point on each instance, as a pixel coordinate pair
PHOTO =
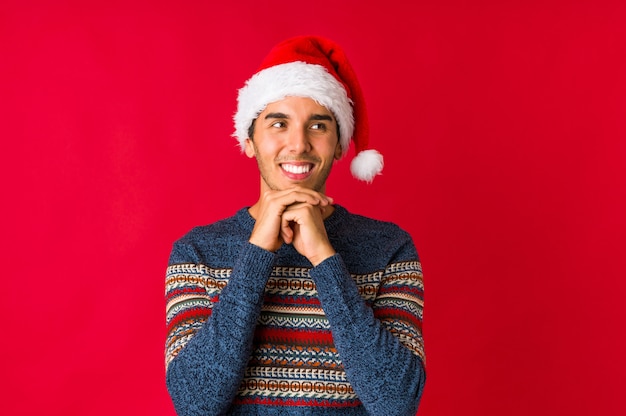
(503, 128)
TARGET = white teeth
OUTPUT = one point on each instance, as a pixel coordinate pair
(296, 169)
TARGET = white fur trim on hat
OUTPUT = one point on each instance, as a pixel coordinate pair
(293, 79)
(366, 165)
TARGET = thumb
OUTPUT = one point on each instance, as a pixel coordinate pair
(286, 232)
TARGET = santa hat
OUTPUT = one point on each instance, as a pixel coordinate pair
(317, 68)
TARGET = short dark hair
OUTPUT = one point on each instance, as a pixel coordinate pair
(251, 129)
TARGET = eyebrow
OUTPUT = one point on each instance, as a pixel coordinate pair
(276, 115)
(316, 117)
(321, 117)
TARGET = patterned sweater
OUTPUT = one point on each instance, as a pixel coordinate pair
(251, 332)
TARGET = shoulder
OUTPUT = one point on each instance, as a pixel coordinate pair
(226, 227)
(362, 227)
(369, 225)
(212, 243)
(369, 242)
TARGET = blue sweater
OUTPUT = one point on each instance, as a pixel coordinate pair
(251, 332)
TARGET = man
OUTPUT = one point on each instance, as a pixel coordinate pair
(294, 306)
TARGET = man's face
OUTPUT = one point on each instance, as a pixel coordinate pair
(295, 143)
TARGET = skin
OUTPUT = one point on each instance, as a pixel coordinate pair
(295, 143)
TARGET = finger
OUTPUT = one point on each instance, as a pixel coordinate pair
(296, 206)
(304, 210)
(286, 232)
(299, 194)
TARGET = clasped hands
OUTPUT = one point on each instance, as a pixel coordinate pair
(294, 216)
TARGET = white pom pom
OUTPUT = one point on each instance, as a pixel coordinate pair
(366, 165)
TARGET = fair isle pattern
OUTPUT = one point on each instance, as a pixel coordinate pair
(400, 302)
(307, 385)
(191, 291)
(294, 361)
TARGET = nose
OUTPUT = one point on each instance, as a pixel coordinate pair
(298, 141)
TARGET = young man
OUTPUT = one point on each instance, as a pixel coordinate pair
(294, 306)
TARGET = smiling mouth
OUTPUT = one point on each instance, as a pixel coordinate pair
(297, 169)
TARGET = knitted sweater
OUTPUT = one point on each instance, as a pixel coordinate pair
(251, 332)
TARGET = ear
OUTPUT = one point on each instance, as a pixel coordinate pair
(249, 148)
(338, 151)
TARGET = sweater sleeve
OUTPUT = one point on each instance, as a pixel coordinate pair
(381, 346)
(208, 347)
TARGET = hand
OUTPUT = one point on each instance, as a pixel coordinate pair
(303, 226)
(268, 212)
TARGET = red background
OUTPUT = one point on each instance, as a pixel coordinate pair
(503, 126)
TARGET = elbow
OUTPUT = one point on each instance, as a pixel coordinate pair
(182, 391)
(177, 391)
(419, 388)
(413, 395)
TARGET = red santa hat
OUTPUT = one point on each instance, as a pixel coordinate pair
(317, 68)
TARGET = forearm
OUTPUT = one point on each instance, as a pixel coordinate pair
(205, 375)
(386, 375)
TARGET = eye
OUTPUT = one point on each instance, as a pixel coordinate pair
(318, 126)
(278, 124)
